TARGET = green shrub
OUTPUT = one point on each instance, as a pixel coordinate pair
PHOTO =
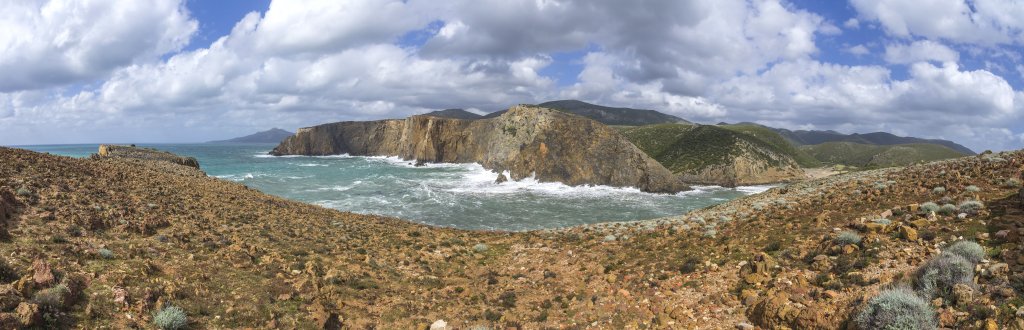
(939, 190)
(970, 207)
(1011, 183)
(972, 188)
(947, 209)
(52, 298)
(171, 318)
(106, 253)
(882, 221)
(847, 237)
(937, 277)
(970, 251)
(896, 309)
(929, 207)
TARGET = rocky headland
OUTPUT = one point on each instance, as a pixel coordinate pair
(525, 141)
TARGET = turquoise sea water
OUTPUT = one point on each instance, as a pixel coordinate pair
(452, 195)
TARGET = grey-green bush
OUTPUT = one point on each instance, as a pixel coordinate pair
(52, 298)
(929, 207)
(1011, 183)
(939, 190)
(968, 250)
(882, 221)
(847, 237)
(972, 188)
(937, 277)
(171, 318)
(947, 209)
(896, 309)
(970, 207)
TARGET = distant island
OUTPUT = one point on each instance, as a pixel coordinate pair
(273, 135)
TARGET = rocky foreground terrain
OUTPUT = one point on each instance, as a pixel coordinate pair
(111, 242)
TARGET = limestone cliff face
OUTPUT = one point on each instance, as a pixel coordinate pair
(525, 141)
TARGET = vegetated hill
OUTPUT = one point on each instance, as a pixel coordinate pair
(802, 137)
(550, 145)
(608, 115)
(772, 137)
(706, 154)
(273, 135)
(108, 243)
(869, 155)
(454, 114)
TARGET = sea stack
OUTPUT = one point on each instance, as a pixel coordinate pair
(526, 141)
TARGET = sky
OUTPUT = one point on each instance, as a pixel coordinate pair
(191, 71)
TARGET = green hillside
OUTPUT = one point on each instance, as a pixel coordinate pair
(687, 148)
(869, 155)
(770, 136)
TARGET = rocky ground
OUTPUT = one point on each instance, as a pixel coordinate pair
(108, 242)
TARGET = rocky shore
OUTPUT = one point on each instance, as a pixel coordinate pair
(525, 141)
(111, 243)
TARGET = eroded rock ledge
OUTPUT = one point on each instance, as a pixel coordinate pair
(133, 152)
(525, 141)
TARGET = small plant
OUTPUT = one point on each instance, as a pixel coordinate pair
(896, 309)
(880, 186)
(929, 207)
(52, 298)
(947, 209)
(710, 233)
(481, 247)
(882, 221)
(939, 190)
(972, 188)
(970, 207)
(938, 276)
(171, 318)
(106, 253)
(1011, 183)
(970, 251)
(847, 237)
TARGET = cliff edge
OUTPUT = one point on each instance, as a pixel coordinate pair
(526, 140)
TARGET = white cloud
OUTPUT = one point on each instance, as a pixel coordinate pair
(918, 51)
(309, 62)
(852, 23)
(984, 22)
(859, 50)
(56, 42)
(936, 102)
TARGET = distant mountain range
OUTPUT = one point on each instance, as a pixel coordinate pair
(273, 135)
(454, 114)
(802, 137)
(608, 115)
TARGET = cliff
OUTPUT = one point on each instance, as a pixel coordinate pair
(525, 141)
(704, 154)
(134, 152)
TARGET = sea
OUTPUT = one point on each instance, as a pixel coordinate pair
(451, 195)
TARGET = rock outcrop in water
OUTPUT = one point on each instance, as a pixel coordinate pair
(525, 141)
(134, 152)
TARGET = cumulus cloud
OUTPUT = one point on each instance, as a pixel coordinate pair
(303, 63)
(859, 50)
(55, 42)
(935, 101)
(918, 51)
(987, 22)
